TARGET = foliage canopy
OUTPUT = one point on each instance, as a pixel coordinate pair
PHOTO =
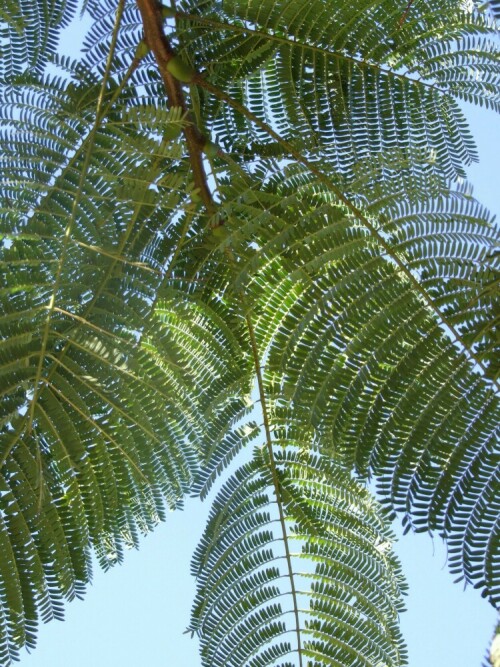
(231, 208)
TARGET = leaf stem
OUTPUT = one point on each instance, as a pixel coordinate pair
(275, 476)
(74, 208)
(86, 145)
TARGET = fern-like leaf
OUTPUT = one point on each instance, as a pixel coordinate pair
(350, 340)
(347, 584)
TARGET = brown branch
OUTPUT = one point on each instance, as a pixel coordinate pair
(157, 41)
(405, 14)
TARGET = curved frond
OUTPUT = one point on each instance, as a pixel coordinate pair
(347, 583)
(449, 243)
(97, 431)
(349, 339)
(204, 343)
(354, 80)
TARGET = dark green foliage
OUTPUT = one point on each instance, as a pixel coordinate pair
(337, 305)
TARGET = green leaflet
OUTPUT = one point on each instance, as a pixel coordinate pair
(29, 33)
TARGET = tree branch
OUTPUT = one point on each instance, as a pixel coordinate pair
(157, 41)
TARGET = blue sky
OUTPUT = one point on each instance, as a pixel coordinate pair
(136, 614)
